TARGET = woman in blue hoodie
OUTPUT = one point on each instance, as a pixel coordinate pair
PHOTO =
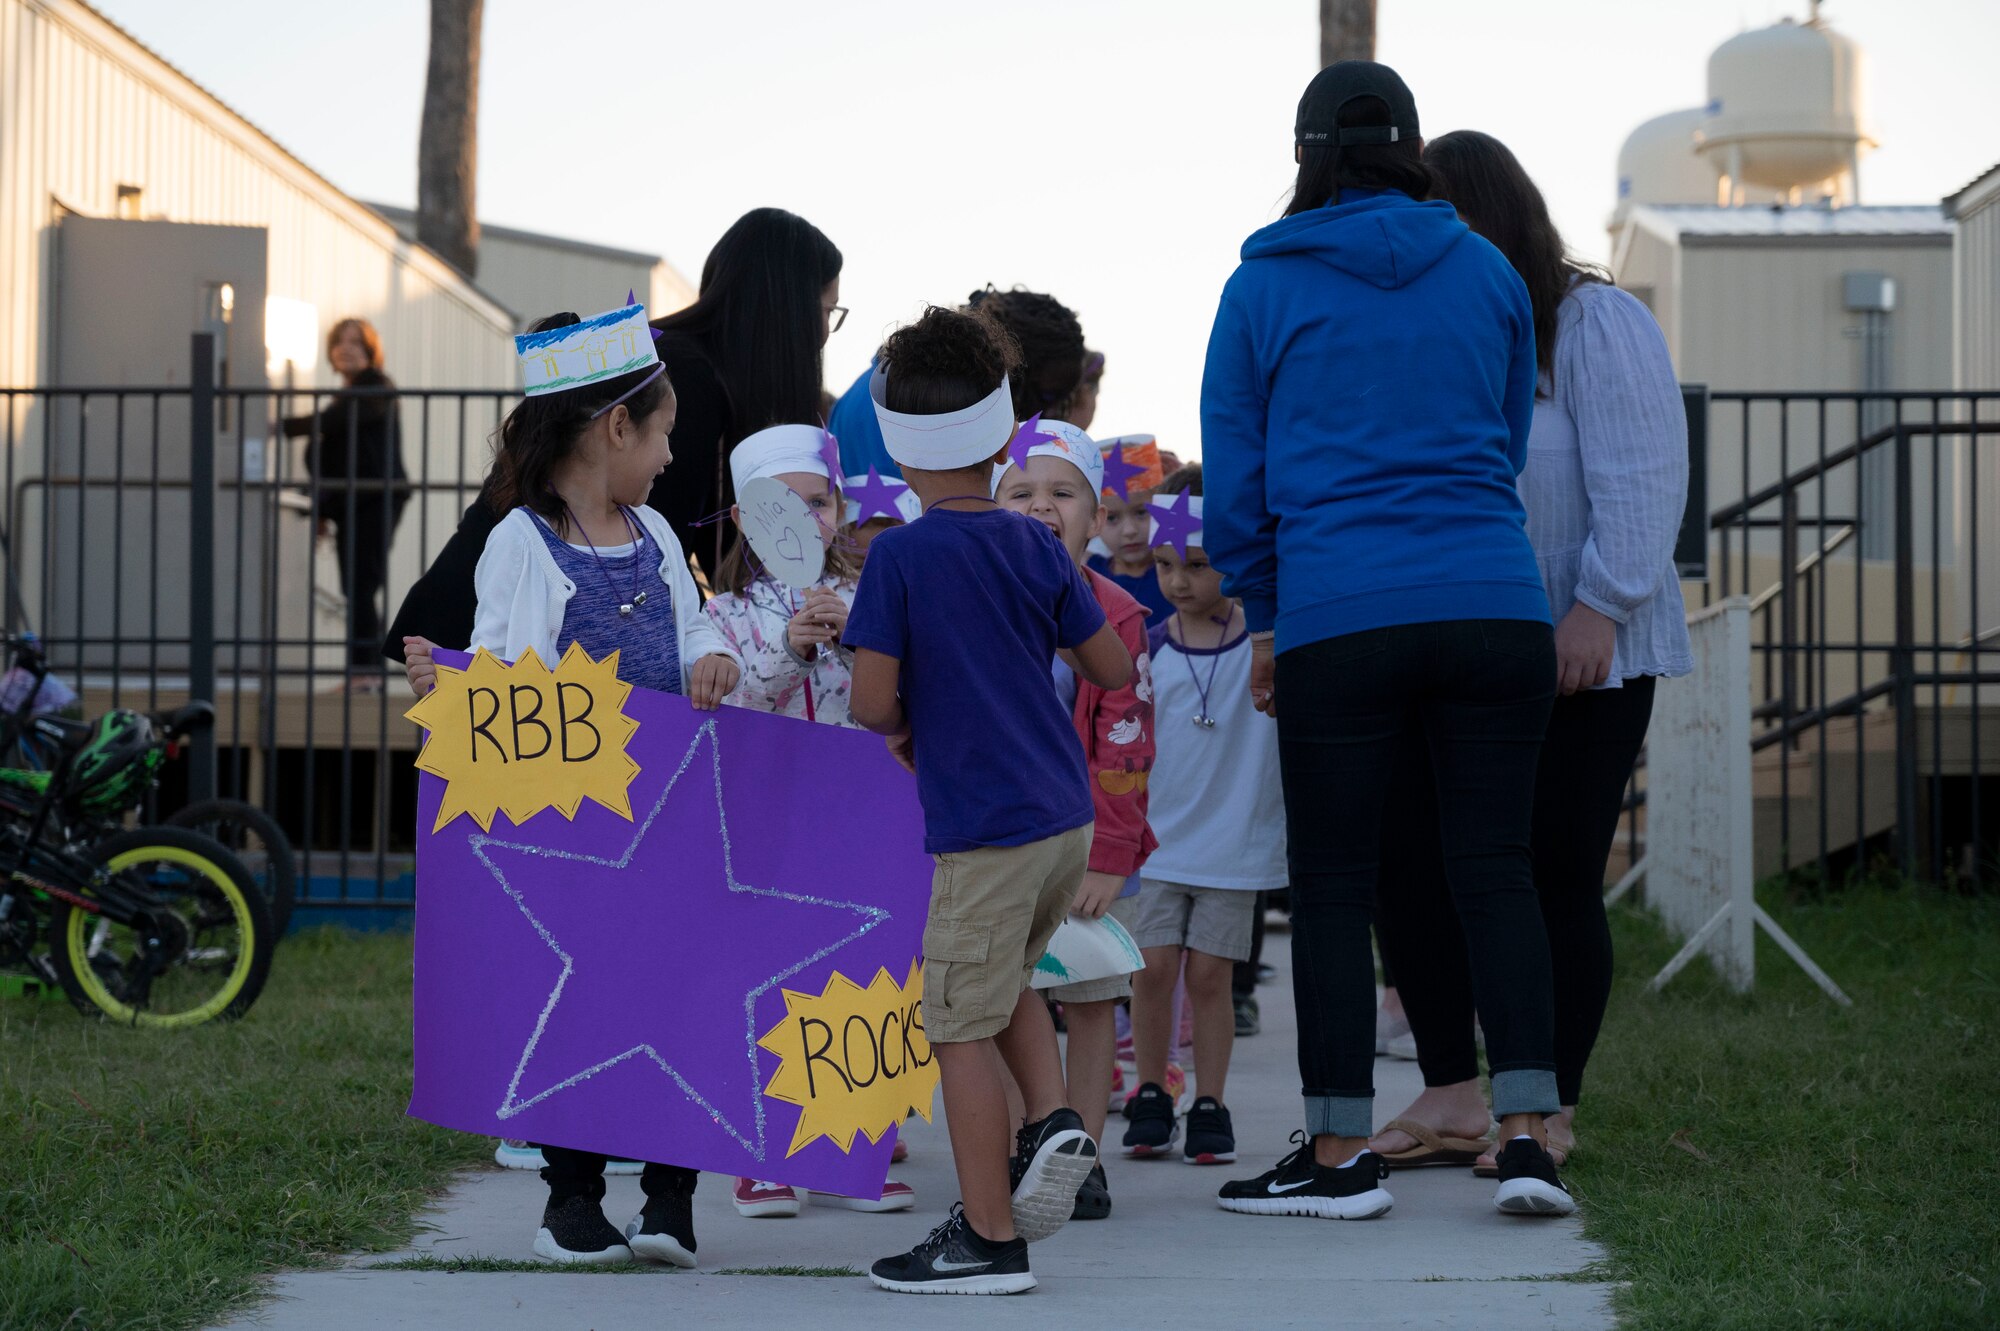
(1365, 411)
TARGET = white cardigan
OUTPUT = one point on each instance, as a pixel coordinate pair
(523, 595)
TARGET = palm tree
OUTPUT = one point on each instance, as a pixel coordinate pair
(448, 143)
(1346, 30)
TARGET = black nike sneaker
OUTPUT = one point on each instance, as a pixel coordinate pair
(1301, 1186)
(955, 1260)
(574, 1232)
(1528, 1182)
(1154, 1125)
(1056, 1155)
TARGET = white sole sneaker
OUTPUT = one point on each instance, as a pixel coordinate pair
(895, 1201)
(1362, 1206)
(1047, 1193)
(1014, 1284)
(548, 1250)
(509, 1156)
(1531, 1196)
(661, 1248)
(771, 1210)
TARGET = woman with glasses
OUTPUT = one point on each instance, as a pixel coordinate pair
(748, 354)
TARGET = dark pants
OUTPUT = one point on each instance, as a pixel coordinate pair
(1593, 740)
(1474, 695)
(573, 1173)
(361, 542)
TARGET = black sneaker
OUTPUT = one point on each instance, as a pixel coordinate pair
(1056, 1156)
(1154, 1126)
(1093, 1199)
(955, 1260)
(1266, 972)
(1211, 1137)
(663, 1231)
(1301, 1186)
(575, 1233)
(1528, 1182)
(1248, 1020)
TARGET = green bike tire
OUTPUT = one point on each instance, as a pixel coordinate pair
(70, 929)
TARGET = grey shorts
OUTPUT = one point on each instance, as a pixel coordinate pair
(1125, 910)
(1215, 920)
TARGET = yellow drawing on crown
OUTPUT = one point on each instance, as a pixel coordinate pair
(853, 1059)
(522, 738)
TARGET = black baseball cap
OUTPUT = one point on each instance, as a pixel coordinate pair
(1340, 83)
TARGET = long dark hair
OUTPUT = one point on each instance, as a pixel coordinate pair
(1497, 198)
(1325, 167)
(758, 317)
(541, 430)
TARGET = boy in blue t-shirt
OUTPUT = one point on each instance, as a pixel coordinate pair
(954, 629)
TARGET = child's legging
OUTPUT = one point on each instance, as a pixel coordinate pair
(572, 1173)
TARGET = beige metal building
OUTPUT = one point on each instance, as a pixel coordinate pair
(534, 274)
(1976, 369)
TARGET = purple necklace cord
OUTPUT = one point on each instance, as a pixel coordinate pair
(632, 530)
(952, 499)
(658, 370)
(1214, 664)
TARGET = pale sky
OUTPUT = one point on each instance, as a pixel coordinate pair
(1112, 152)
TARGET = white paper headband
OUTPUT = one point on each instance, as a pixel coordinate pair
(776, 450)
(949, 440)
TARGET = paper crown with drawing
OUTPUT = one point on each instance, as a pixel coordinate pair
(1131, 461)
(604, 346)
(1054, 439)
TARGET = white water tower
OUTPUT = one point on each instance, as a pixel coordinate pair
(1784, 120)
(1658, 164)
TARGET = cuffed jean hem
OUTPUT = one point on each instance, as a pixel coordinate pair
(1525, 1091)
(1345, 1115)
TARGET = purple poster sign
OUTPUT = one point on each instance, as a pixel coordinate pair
(727, 981)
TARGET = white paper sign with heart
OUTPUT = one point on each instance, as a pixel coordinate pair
(782, 532)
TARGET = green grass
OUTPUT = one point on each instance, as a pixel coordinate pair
(460, 1266)
(826, 1272)
(1777, 1161)
(151, 1177)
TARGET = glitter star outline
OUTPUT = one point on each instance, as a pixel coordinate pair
(873, 916)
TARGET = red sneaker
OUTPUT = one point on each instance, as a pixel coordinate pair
(755, 1199)
(895, 1197)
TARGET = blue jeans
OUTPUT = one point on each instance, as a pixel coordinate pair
(1476, 693)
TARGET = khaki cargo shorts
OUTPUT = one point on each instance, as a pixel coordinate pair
(993, 911)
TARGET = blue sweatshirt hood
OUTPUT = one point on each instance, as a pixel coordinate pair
(1355, 238)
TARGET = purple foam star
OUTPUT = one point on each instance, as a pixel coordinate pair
(631, 296)
(1174, 524)
(1025, 438)
(1117, 471)
(829, 453)
(875, 496)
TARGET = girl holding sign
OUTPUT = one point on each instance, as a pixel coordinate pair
(783, 594)
(579, 558)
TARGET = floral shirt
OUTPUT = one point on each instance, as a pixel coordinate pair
(774, 678)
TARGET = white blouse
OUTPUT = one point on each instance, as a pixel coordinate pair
(1607, 476)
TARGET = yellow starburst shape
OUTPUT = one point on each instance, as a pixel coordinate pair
(853, 1059)
(522, 738)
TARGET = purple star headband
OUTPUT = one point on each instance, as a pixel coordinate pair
(874, 496)
(1177, 524)
(1025, 438)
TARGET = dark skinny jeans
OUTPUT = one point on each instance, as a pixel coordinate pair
(1475, 696)
(581, 1173)
(1587, 758)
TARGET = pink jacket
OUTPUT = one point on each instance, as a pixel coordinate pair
(1116, 727)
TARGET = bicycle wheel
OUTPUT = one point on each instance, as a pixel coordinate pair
(204, 953)
(257, 840)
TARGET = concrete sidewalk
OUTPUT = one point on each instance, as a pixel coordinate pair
(1444, 1258)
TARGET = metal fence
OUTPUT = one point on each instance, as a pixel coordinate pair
(155, 571)
(1862, 527)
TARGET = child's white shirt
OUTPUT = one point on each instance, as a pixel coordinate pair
(775, 678)
(523, 594)
(1216, 802)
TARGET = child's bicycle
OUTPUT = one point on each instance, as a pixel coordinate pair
(149, 926)
(249, 833)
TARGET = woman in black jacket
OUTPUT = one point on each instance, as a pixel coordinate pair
(354, 459)
(747, 354)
